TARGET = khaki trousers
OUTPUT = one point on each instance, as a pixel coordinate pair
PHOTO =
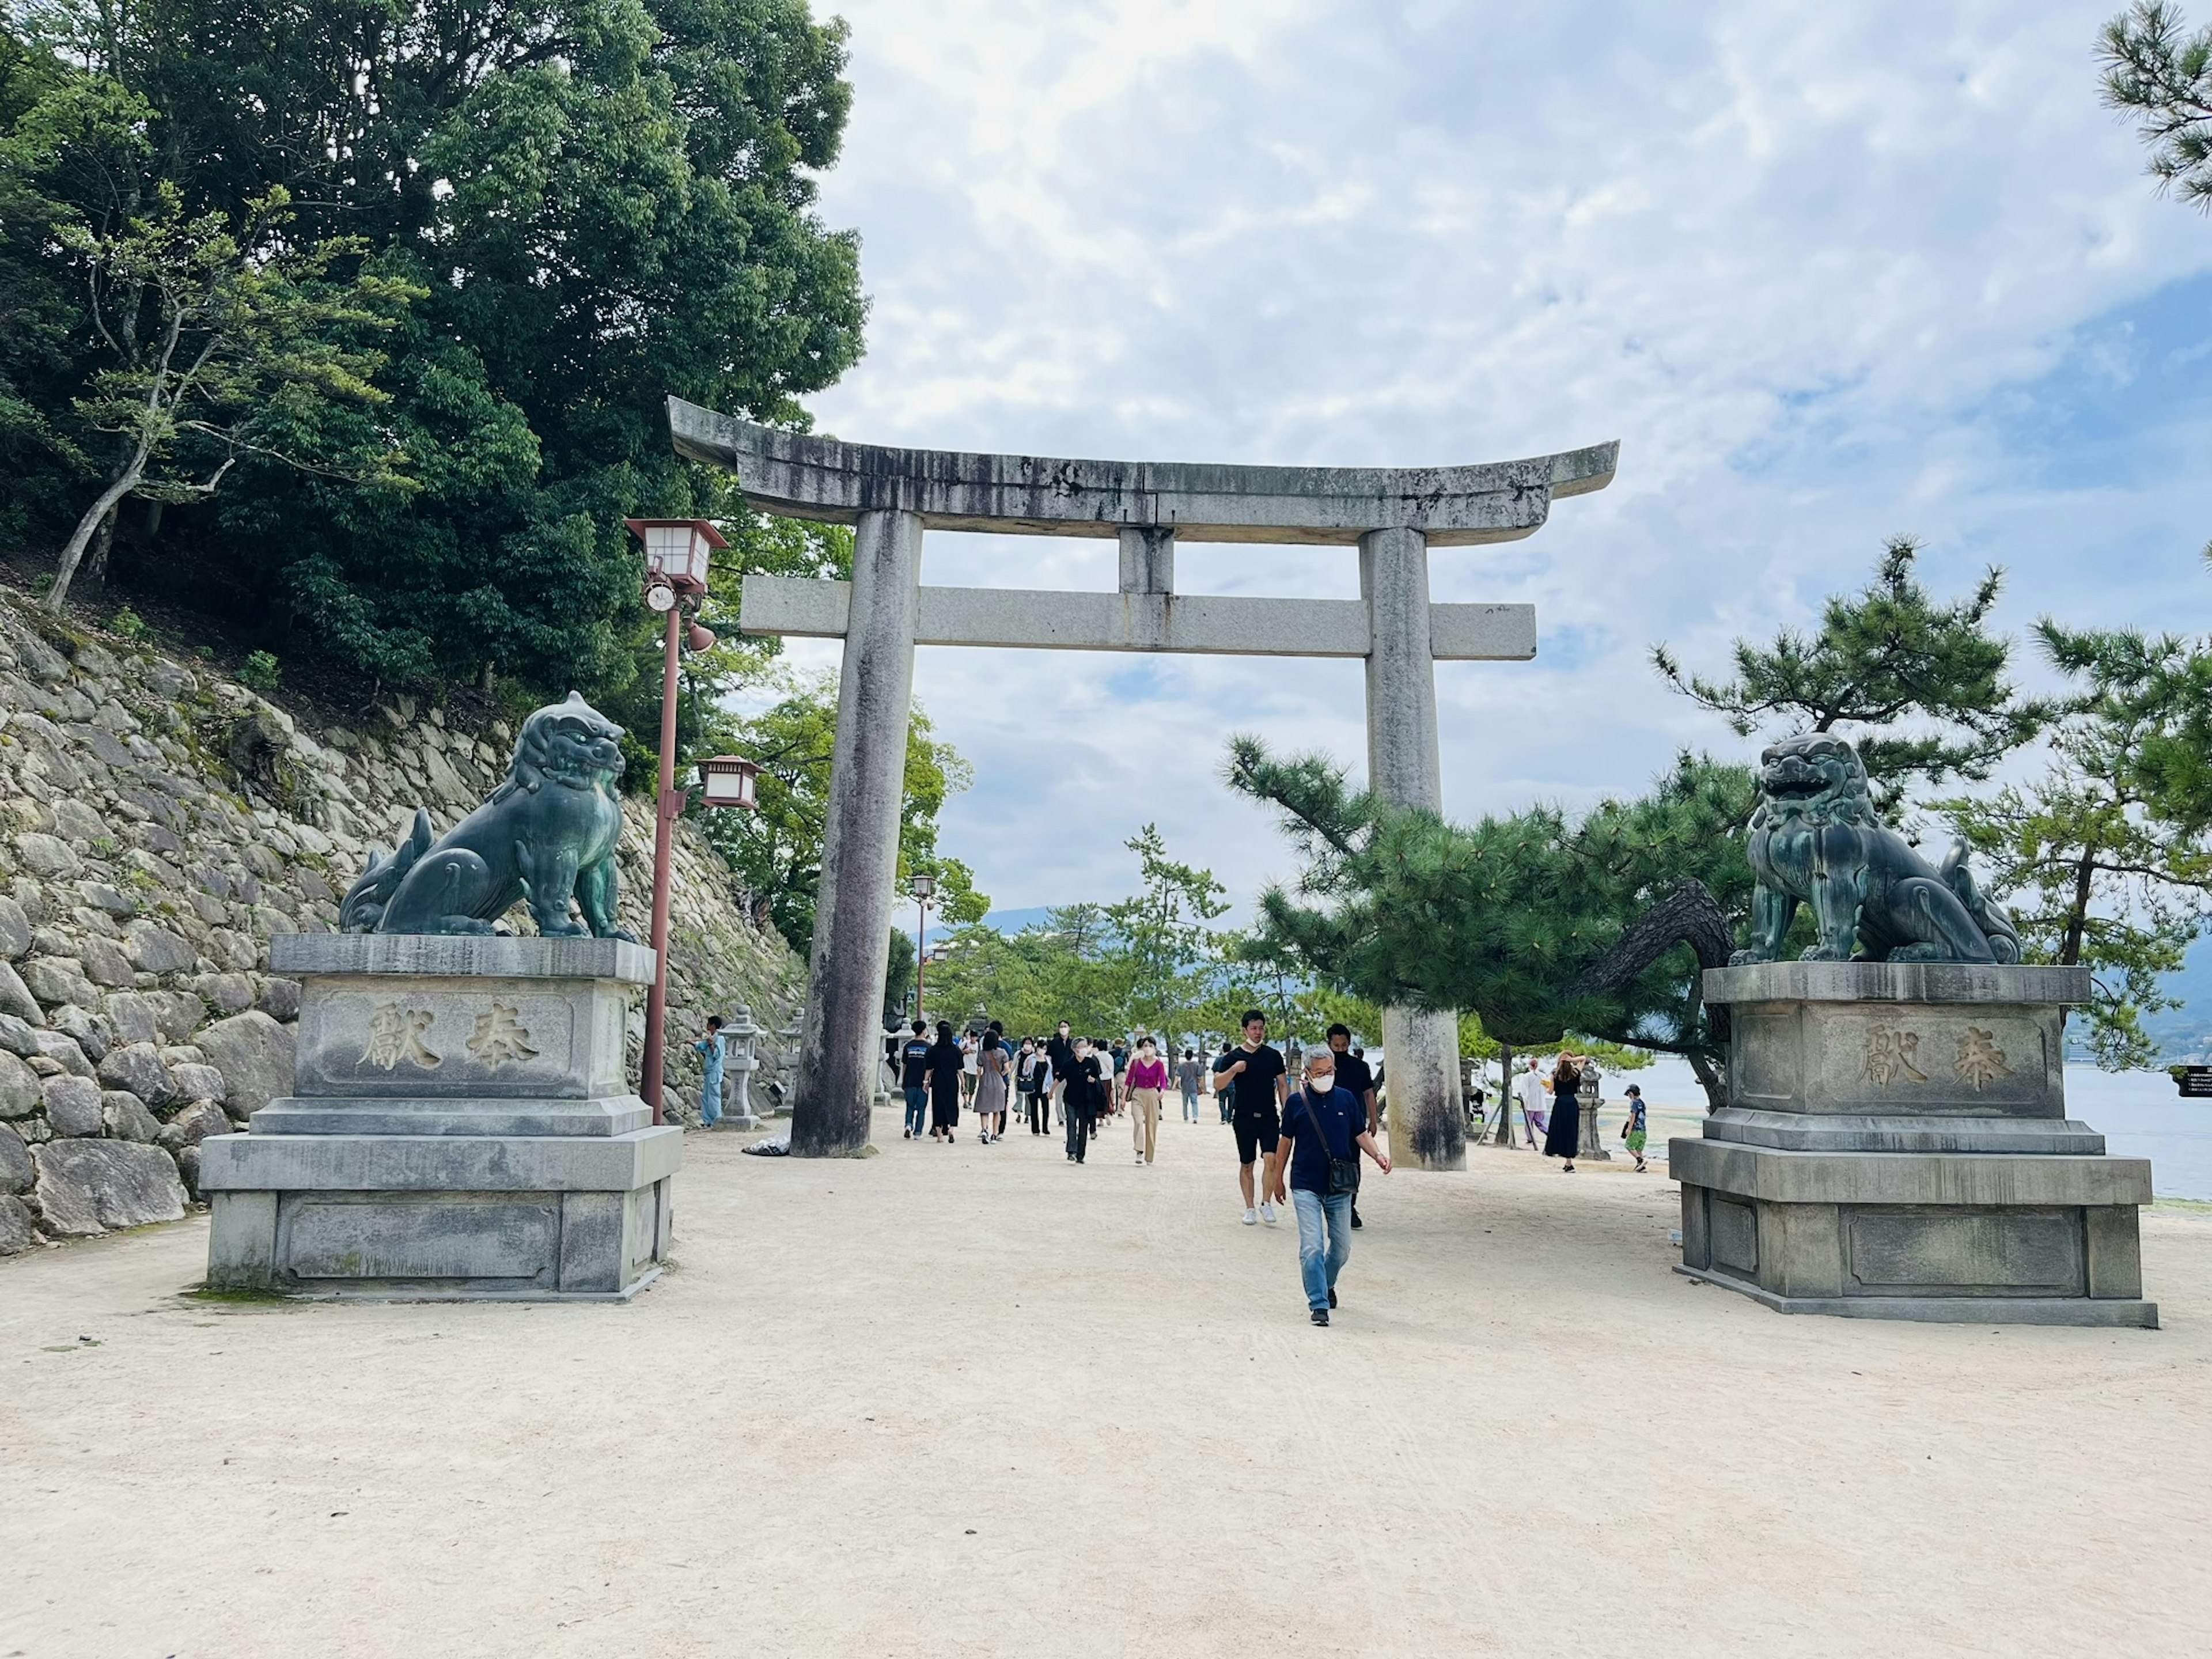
(1144, 1120)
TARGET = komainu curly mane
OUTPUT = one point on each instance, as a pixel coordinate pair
(1815, 841)
(548, 835)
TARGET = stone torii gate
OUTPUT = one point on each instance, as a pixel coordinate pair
(1393, 515)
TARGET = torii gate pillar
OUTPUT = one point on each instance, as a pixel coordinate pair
(860, 844)
(1420, 1051)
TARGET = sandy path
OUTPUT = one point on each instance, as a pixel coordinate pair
(976, 1401)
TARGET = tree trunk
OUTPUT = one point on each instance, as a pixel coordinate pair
(1716, 1086)
(103, 544)
(73, 550)
(1503, 1136)
(2077, 916)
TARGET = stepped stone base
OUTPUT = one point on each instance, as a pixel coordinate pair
(1895, 1146)
(462, 1130)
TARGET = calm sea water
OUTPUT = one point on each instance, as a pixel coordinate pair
(2138, 1113)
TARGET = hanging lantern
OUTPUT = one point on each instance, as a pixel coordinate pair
(730, 781)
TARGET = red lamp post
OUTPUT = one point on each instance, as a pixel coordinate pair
(677, 551)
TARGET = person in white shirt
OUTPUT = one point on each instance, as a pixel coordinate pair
(1530, 1091)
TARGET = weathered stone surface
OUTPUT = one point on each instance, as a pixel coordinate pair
(178, 1013)
(103, 963)
(17, 1037)
(133, 1018)
(125, 1117)
(199, 1081)
(193, 1125)
(72, 1105)
(478, 956)
(254, 1054)
(138, 1066)
(17, 1172)
(156, 950)
(48, 855)
(16, 997)
(19, 1088)
(59, 1049)
(86, 1187)
(57, 980)
(227, 993)
(279, 998)
(90, 1031)
(16, 1233)
(15, 929)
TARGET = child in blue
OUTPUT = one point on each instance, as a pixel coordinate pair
(1320, 1122)
(1632, 1130)
(710, 1090)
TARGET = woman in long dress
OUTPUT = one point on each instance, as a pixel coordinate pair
(991, 1086)
(944, 1072)
(1562, 1135)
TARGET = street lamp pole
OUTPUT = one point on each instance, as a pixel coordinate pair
(924, 885)
(677, 552)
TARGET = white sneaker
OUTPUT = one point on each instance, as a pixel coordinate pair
(1140, 1157)
(1251, 1218)
(1268, 1213)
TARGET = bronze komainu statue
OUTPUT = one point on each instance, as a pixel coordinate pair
(547, 834)
(1815, 841)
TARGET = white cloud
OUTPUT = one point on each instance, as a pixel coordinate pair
(1810, 263)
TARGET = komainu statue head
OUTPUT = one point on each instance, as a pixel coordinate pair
(1816, 842)
(1818, 778)
(569, 743)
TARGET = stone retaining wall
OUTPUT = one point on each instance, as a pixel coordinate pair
(158, 824)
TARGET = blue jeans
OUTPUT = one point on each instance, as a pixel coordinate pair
(1319, 1270)
(1190, 1105)
(917, 1108)
(710, 1099)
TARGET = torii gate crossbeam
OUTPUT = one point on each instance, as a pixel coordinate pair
(1393, 515)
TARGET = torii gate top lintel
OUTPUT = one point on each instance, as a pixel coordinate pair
(798, 475)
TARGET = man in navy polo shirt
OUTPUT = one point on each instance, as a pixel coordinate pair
(1321, 1121)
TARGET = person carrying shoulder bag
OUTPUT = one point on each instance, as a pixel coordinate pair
(1324, 1132)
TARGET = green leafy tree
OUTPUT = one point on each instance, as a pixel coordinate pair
(608, 202)
(222, 343)
(1886, 654)
(2158, 72)
(777, 850)
(1164, 938)
(1508, 916)
(2096, 866)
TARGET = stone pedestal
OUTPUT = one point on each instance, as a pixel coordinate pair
(1896, 1146)
(460, 1128)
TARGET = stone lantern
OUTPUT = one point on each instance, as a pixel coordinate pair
(740, 1063)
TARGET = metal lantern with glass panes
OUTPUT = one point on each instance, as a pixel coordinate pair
(676, 554)
(740, 1064)
(729, 781)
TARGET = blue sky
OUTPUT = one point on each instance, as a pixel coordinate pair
(1828, 273)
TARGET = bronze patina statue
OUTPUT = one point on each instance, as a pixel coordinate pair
(1815, 840)
(547, 834)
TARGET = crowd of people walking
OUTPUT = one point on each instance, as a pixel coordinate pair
(1302, 1126)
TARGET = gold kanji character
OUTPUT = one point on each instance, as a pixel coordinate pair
(1980, 1060)
(1889, 1053)
(395, 1033)
(499, 1037)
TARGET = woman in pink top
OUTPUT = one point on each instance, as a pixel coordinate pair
(1147, 1076)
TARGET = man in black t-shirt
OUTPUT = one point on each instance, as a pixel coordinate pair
(1351, 1073)
(914, 1079)
(1256, 1075)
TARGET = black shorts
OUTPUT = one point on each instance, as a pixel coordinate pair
(1257, 1133)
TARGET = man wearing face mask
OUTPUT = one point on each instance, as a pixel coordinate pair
(1324, 1132)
